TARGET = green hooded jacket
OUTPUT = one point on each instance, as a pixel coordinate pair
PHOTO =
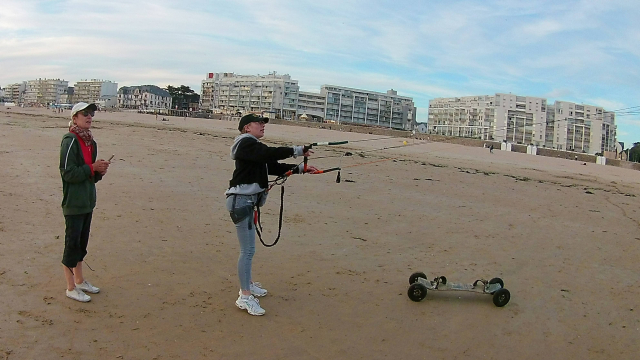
(78, 186)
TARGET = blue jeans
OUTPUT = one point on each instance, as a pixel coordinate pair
(242, 216)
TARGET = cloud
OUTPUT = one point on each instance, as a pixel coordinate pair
(14, 15)
(574, 50)
(631, 122)
(607, 104)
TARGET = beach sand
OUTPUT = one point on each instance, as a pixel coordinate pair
(563, 235)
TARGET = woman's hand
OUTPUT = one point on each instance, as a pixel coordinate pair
(311, 169)
(101, 166)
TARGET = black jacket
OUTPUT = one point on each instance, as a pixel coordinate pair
(255, 161)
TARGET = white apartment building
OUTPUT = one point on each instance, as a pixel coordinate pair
(94, 91)
(311, 104)
(15, 92)
(356, 106)
(581, 128)
(272, 94)
(280, 95)
(499, 117)
(525, 120)
(144, 97)
(44, 91)
(520, 119)
(467, 116)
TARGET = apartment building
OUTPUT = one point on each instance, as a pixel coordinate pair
(520, 119)
(525, 120)
(499, 117)
(95, 91)
(44, 91)
(467, 116)
(581, 128)
(144, 97)
(15, 92)
(356, 106)
(272, 93)
(311, 104)
(280, 95)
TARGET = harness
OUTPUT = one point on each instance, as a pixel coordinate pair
(242, 213)
(239, 214)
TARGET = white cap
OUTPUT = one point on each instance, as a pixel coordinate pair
(81, 106)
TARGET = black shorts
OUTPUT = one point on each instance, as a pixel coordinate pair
(76, 238)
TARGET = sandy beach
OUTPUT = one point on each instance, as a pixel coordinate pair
(563, 235)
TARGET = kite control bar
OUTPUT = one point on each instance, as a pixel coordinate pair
(328, 143)
(323, 143)
(305, 149)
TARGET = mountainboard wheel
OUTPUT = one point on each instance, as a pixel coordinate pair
(497, 281)
(414, 277)
(443, 280)
(501, 297)
(417, 292)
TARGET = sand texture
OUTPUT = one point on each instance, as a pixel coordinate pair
(563, 235)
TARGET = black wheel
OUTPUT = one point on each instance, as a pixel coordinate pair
(501, 297)
(417, 292)
(443, 280)
(497, 281)
(414, 277)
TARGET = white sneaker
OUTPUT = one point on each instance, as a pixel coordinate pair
(257, 290)
(79, 295)
(86, 286)
(251, 304)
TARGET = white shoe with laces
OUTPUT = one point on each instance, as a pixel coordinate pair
(86, 286)
(78, 295)
(257, 290)
(251, 304)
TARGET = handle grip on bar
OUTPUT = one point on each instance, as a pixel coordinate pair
(325, 170)
(329, 143)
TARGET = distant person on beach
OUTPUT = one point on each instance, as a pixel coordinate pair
(248, 187)
(491, 148)
(80, 172)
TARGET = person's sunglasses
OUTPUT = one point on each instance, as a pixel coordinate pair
(86, 113)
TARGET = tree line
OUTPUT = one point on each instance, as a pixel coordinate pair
(633, 154)
(182, 96)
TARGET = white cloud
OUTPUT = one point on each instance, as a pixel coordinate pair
(607, 104)
(631, 122)
(574, 50)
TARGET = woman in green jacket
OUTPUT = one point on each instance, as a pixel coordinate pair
(80, 172)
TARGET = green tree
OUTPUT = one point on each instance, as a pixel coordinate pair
(634, 152)
(185, 90)
(172, 90)
(182, 96)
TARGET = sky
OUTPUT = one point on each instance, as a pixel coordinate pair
(583, 51)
